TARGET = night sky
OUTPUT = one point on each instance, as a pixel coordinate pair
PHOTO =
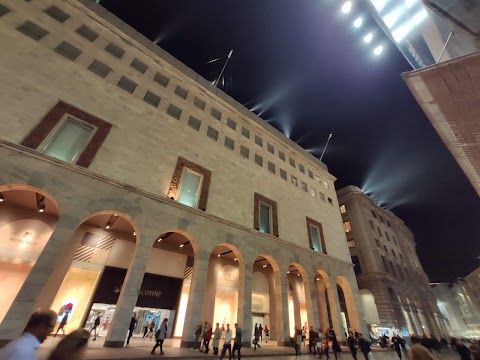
(304, 68)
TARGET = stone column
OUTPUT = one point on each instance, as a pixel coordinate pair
(244, 311)
(117, 333)
(283, 320)
(313, 319)
(322, 305)
(193, 315)
(336, 312)
(24, 304)
(417, 321)
(410, 319)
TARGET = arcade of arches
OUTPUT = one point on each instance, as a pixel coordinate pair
(107, 263)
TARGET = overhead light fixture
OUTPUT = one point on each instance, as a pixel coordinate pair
(346, 7)
(159, 239)
(235, 259)
(107, 226)
(219, 255)
(182, 245)
(318, 279)
(358, 22)
(134, 233)
(2, 198)
(41, 208)
(265, 266)
(288, 272)
(298, 274)
(368, 38)
(378, 50)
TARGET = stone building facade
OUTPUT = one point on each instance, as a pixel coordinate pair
(128, 183)
(394, 289)
(466, 292)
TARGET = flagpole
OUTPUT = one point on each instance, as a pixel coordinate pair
(215, 83)
(325, 148)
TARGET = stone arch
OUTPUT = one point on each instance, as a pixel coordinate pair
(269, 313)
(28, 217)
(325, 300)
(300, 301)
(344, 285)
(91, 270)
(224, 291)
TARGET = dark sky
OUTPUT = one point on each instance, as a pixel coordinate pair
(303, 64)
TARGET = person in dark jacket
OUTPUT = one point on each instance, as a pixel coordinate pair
(363, 345)
(351, 344)
(256, 337)
(335, 345)
(312, 341)
(133, 322)
(397, 343)
(462, 350)
(237, 343)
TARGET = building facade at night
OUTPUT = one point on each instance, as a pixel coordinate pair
(394, 290)
(128, 183)
(466, 292)
(441, 40)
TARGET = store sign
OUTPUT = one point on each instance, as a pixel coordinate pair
(154, 293)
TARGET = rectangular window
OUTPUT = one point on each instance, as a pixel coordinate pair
(246, 132)
(310, 174)
(301, 168)
(32, 30)
(374, 214)
(343, 209)
(244, 151)
(190, 187)
(379, 232)
(271, 167)
(294, 180)
(69, 140)
(270, 149)
(330, 201)
(378, 243)
(388, 237)
(265, 218)
(401, 257)
(229, 143)
(393, 269)
(322, 196)
(212, 133)
(199, 103)
(356, 263)
(68, 50)
(151, 98)
(388, 223)
(87, 33)
(174, 111)
(315, 237)
(99, 68)
(318, 179)
(304, 186)
(371, 224)
(216, 114)
(194, 123)
(181, 92)
(385, 264)
(381, 218)
(115, 50)
(351, 243)
(283, 174)
(393, 253)
(127, 84)
(258, 160)
(325, 184)
(139, 65)
(231, 124)
(292, 162)
(347, 226)
(281, 155)
(313, 192)
(161, 79)
(258, 140)
(4, 10)
(394, 240)
(385, 248)
(57, 14)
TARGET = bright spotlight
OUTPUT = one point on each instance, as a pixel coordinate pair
(378, 50)
(358, 22)
(392, 18)
(368, 38)
(379, 4)
(346, 7)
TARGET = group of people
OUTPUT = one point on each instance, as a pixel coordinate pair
(258, 335)
(39, 326)
(319, 342)
(204, 333)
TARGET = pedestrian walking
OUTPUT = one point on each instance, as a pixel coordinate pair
(207, 335)
(298, 342)
(312, 341)
(62, 324)
(267, 333)
(71, 347)
(151, 329)
(327, 344)
(418, 351)
(39, 326)
(462, 350)
(351, 345)
(202, 340)
(256, 337)
(364, 346)
(96, 324)
(260, 330)
(304, 336)
(146, 328)
(335, 345)
(397, 345)
(227, 345)
(131, 327)
(320, 340)
(237, 343)
(160, 336)
(198, 338)
(217, 334)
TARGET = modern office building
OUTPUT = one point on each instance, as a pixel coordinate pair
(394, 289)
(128, 183)
(441, 40)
